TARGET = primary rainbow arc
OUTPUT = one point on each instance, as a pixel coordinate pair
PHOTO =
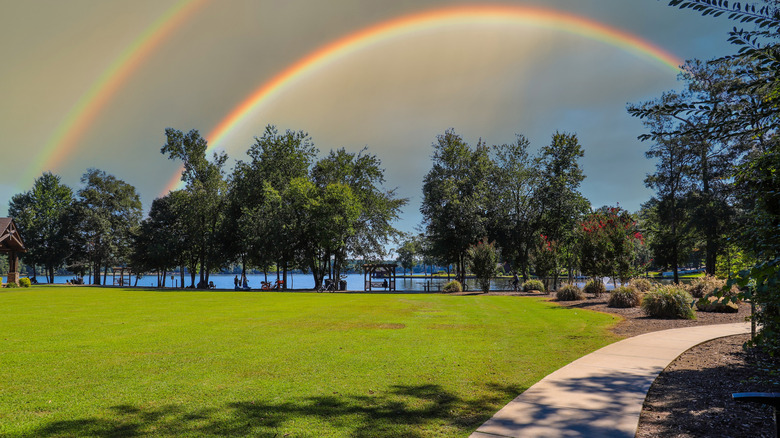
(408, 24)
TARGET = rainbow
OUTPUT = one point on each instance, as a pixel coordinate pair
(84, 112)
(425, 21)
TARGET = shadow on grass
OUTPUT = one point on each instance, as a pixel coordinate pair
(405, 410)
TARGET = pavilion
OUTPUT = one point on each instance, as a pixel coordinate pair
(11, 243)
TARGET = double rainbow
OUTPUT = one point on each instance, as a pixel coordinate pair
(86, 110)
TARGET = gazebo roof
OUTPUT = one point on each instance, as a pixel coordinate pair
(10, 240)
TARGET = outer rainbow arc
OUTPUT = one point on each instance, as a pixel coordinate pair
(404, 25)
(86, 109)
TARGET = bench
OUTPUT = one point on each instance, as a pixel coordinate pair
(378, 284)
(765, 398)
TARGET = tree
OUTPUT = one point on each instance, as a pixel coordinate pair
(409, 253)
(514, 210)
(41, 216)
(670, 217)
(483, 260)
(609, 244)
(202, 212)
(561, 203)
(357, 178)
(455, 194)
(754, 119)
(107, 210)
(159, 243)
(260, 216)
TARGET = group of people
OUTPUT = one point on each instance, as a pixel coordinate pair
(241, 284)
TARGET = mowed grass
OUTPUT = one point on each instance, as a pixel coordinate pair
(83, 361)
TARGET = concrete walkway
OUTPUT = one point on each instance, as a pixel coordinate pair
(601, 394)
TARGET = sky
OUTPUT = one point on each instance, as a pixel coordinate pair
(93, 84)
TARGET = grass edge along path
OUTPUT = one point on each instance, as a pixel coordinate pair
(84, 361)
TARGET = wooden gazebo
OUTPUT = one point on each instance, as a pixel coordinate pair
(11, 243)
(379, 276)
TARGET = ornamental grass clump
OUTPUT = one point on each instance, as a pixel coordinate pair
(569, 292)
(595, 287)
(533, 285)
(668, 302)
(453, 286)
(703, 286)
(624, 297)
(641, 284)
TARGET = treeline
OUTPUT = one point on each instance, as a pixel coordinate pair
(529, 207)
(282, 207)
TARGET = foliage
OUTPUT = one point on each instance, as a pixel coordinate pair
(668, 302)
(595, 286)
(747, 111)
(452, 286)
(42, 218)
(483, 261)
(11, 285)
(533, 284)
(569, 292)
(105, 214)
(201, 209)
(409, 253)
(216, 348)
(455, 193)
(560, 201)
(704, 286)
(377, 208)
(624, 297)
(761, 284)
(24, 282)
(545, 258)
(609, 243)
(159, 244)
(716, 305)
(514, 210)
(641, 284)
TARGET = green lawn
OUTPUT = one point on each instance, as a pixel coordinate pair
(81, 361)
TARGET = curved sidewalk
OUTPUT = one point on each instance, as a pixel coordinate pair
(601, 394)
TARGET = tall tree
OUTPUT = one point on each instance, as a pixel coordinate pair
(107, 209)
(204, 202)
(514, 210)
(455, 192)
(159, 243)
(561, 203)
(259, 217)
(41, 215)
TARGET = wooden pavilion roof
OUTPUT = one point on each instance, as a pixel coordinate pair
(10, 240)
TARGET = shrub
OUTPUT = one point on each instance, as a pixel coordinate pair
(569, 292)
(624, 297)
(595, 287)
(11, 285)
(700, 287)
(713, 304)
(533, 285)
(668, 302)
(453, 286)
(24, 282)
(641, 284)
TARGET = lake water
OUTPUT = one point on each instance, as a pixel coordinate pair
(305, 281)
